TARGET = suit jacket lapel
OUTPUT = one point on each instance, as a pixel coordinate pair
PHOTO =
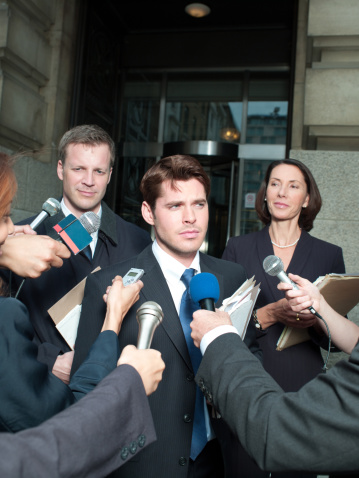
(206, 266)
(265, 249)
(156, 289)
(301, 254)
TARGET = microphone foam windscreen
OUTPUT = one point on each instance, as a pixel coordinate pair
(204, 286)
(273, 265)
(90, 221)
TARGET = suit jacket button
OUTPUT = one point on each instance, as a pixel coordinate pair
(133, 447)
(182, 461)
(141, 440)
(187, 418)
(190, 377)
(124, 453)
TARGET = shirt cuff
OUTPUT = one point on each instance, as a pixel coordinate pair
(214, 333)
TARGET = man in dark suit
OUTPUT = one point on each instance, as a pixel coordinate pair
(86, 157)
(75, 442)
(175, 192)
(312, 430)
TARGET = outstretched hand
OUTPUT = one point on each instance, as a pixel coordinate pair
(204, 321)
(29, 255)
(148, 364)
(119, 300)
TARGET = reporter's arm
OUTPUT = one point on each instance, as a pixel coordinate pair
(76, 443)
(312, 430)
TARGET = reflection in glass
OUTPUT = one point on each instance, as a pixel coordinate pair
(267, 122)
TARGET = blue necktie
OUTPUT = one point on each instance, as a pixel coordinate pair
(88, 253)
(199, 433)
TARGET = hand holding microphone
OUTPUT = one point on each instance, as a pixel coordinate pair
(204, 290)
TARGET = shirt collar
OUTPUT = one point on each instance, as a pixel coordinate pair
(171, 268)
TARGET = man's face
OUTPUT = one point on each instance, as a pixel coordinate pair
(180, 219)
(85, 175)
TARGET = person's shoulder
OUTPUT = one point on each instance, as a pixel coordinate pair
(251, 237)
(322, 245)
(14, 313)
(221, 264)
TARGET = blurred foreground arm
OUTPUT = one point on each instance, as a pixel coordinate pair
(313, 430)
(76, 443)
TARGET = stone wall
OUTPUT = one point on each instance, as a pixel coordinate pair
(37, 45)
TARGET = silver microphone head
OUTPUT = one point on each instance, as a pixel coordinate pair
(90, 221)
(51, 206)
(149, 316)
(273, 265)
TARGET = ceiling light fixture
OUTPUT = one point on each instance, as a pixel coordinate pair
(197, 10)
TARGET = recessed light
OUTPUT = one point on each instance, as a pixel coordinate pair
(197, 10)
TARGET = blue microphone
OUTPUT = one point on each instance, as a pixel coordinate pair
(204, 289)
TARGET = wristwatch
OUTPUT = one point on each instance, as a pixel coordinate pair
(256, 321)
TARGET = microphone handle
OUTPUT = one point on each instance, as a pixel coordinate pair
(207, 304)
(38, 219)
(282, 276)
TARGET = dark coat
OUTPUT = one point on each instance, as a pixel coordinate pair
(29, 393)
(296, 365)
(175, 398)
(75, 442)
(118, 240)
(312, 430)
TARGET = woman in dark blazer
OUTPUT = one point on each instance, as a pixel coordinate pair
(287, 203)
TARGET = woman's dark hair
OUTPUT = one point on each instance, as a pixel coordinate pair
(309, 213)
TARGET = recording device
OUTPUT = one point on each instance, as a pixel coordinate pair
(132, 276)
(76, 233)
(149, 316)
(274, 266)
(49, 208)
(204, 289)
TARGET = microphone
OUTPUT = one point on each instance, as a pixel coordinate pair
(76, 233)
(149, 316)
(274, 266)
(204, 289)
(49, 208)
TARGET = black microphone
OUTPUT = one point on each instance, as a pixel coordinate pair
(49, 208)
(274, 266)
(204, 289)
(149, 316)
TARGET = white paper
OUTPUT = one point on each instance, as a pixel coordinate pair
(69, 324)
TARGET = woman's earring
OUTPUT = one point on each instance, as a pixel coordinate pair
(265, 199)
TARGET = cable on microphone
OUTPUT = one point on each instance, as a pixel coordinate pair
(273, 265)
(204, 289)
(149, 316)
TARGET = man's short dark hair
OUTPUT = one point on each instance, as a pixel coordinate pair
(89, 134)
(173, 168)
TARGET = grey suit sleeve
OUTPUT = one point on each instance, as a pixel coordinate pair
(313, 430)
(91, 438)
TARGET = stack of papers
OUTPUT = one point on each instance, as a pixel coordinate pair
(240, 305)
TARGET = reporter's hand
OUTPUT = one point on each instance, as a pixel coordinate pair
(29, 255)
(148, 364)
(119, 300)
(300, 300)
(23, 229)
(204, 321)
(62, 366)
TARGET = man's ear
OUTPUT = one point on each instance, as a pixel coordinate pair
(109, 176)
(60, 170)
(147, 213)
